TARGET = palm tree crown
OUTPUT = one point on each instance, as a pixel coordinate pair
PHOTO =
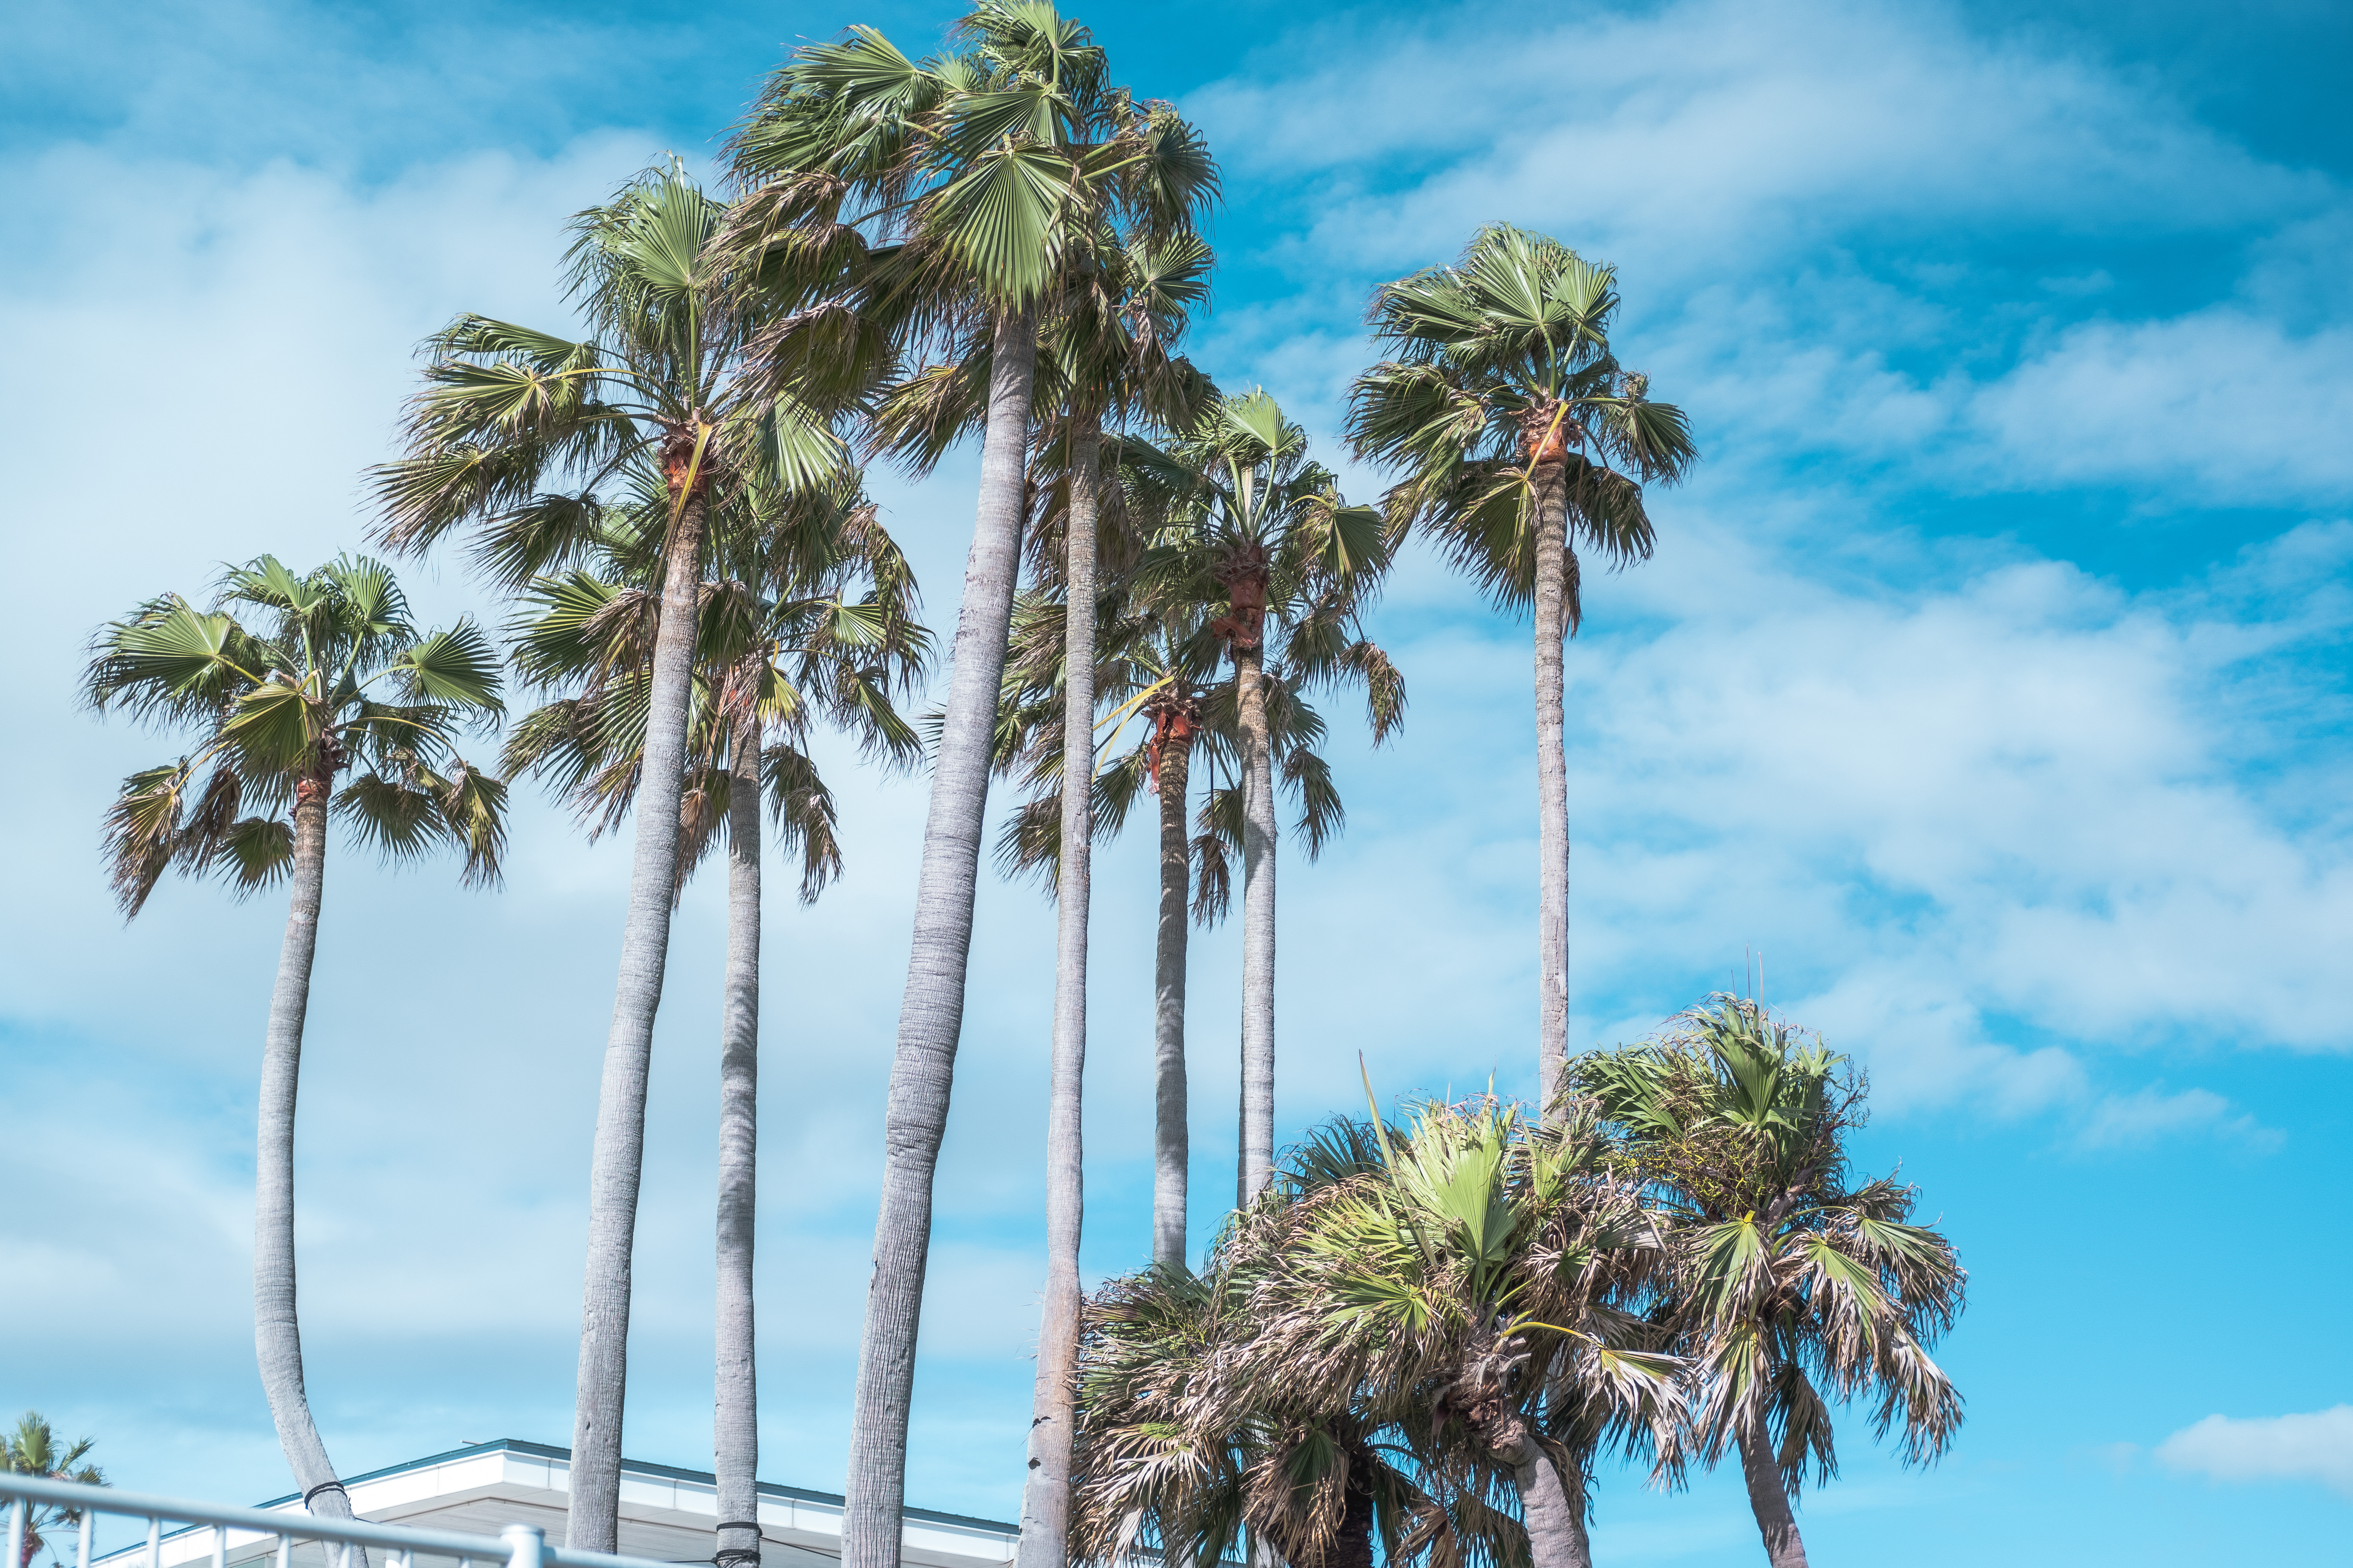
(334, 676)
(1502, 362)
(1795, 1287)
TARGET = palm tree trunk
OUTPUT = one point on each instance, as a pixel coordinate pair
(931, 1011)
(619, 1159)
(277, 1334)
(1552, 782)
(1553, 1511)
(735, 1439)
(1769, 1500)
(1257, 1164)
(1046, 1493)
(1172, 1139)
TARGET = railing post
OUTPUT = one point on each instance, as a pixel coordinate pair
(16, 1530)
(154, 1540)
(526, 1545)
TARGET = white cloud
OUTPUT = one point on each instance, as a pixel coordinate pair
(1664, 135)
(2314, 1448)
(2222, 399)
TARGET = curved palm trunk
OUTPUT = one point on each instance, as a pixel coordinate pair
(735, 1438)
(1046, 1493)
(1172, 1139)
(1257, 1164)
(1769, 1500)
(1552, 782)
(931, 1011)
(277, 1335)
(619, 1159)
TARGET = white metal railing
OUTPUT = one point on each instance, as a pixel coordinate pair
(516, 1546)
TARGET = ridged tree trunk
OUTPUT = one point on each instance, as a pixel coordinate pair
(1256, 1164)
(1552, 1505)
(1171, 1138)
(619, 1159)
(931, 1011)
(735, 1438)
(1769, 1500)
(277, 1334)
(1552, 781)
(1046, 1490)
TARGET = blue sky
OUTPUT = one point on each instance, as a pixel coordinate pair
(1991, 679)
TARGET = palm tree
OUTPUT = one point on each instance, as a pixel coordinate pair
(1520, 436)
(510, 414)
(1318, 1480)
(336, 677)
(780, 643)
(35, 1450)
(1105, 360)
(981, 173)
(1299, 564)
(1488, 1278)
(1792, 1288)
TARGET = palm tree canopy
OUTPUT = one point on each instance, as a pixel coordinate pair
(1795, 1287)
(812, 618)
(1501, 361)
(34, 1448)
(1339, 1323)
(520, 432)
(335, 677)
(965, 177)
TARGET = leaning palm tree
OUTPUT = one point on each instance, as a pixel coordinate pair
(1520, 438)
(523, 433)
(1105, 360)
(34, 1448)
(781, 644)
(1490, 1279)
(977, 175)
(1297, 565)
(335, 675)
(1793, 1287)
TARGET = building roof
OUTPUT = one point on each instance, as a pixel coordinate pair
(667, 1513)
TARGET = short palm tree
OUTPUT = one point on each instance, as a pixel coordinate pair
(1254, 521)
(1490, 1278)
(781, 644)
(521, 434)
(951, 193)
(1361, 1358)
(1170, 1459)
(331, 675)
(1521, 438)
(1792, 1288)
(34, 1448)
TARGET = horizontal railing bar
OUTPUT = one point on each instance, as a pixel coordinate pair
(297, 1526)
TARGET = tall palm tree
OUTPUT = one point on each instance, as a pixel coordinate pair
(978, 174)
(1792, 1287)
(334, 676)
(519, 433)
(34, 1448)
(1521, 438)
(780, 643)
(1106, 360)
(1158, 662)
(1297, 564)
